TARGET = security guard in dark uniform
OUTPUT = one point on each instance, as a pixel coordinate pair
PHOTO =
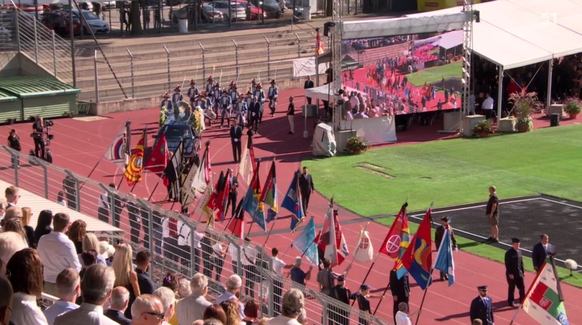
(482, 307)
(38, 136)
(514, 272)
(340, 292)
(400, 289)
(364, 303)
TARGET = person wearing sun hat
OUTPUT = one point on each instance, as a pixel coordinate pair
(209, 85)
(259, 93)
(514, 273)
(482, 307)
(273, 95)
(177, 95)
(364, 303)
(193, 91)
(438, 237)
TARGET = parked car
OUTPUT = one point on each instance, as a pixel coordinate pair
(30, 7)
(52, 20)
(91, 21)
(270, 6)
(237, 10)
(207, 15)
(298, 7)
(255, 12)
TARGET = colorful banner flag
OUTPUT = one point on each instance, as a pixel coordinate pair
(117, 151)
(135, 166)
(364, 251)
(270, 195)
(158, 160)
(398, 238)
(544, 301)
(173, 173)
(305, 243)
(253, 205)
(247, 164)
(202, 206)
(214, 202)
(237, 224)
(444, 261)
(417, 259)
(292, 202)
(318, 45)
(332, 241)
(195, 184)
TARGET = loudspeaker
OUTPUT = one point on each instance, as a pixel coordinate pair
(327, 27)
(555, 119)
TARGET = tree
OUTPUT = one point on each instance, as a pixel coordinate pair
(135, 19)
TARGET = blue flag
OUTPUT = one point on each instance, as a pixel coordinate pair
(305, 243)
(255, 208)
(292, 202)
(444, 261)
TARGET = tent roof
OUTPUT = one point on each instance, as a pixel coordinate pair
(515, 33)
(451, 39)
(347, 62)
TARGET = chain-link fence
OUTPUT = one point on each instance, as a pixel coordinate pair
(178, 244)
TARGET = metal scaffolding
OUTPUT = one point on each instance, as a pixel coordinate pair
(336, 52)
(467, 62)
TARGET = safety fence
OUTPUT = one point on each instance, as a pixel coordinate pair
(179, 244)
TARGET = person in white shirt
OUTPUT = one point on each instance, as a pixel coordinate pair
(197, 247)
(96, 289)
(12, 194)
(57, 252)
(233, 285)
(25, 272)
(68, 288)
(402, 314)
(278, 267)
(10, 243)
(293, 304)
(249, 260)
(487, 107)
(192, 307)
(147, 310)
(168, 299)
(184, 243)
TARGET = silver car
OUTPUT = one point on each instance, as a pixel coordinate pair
(237, 10)
(208, 14)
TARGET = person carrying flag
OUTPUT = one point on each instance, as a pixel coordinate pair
(400, 289)
(438, 237)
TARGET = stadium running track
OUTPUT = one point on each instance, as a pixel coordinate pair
(78, 145)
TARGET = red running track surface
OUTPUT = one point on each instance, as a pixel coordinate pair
(79, 144)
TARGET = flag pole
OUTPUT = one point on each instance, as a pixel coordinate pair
(381, 297)
(423, 296)
(357, 250)
(369, 270)
(515, 315)
(269, 234)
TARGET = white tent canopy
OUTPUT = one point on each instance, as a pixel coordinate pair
(451, 39)
(327, 92)
(515, 33)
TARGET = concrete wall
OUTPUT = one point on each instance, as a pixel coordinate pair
(9, 64)
(29, 68)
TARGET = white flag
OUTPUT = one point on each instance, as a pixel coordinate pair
(117, 151)
(246, 166)
(364, 250)
(201, 208)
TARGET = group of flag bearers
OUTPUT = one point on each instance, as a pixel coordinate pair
(192, 180)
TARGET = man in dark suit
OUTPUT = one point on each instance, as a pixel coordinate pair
(438, 237)
(232, 195)
(254, 114)
(306, 187)
(482, 307)
(236, 133)
(308, 84)
(400, 289)
(515, 273)
(119, 301)
(540, 252)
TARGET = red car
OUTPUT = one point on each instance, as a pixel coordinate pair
(255, 12)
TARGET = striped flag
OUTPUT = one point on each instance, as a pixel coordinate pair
(117, 151)
(135, 167)
(318, 45)
(444, 261)
(544, 301)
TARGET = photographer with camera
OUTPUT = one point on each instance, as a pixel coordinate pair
(38, 136)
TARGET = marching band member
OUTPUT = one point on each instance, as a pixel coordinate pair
(225, 107)
(209, 85)
(273, 95)
(260, 98)
(193, 91)
(253, 86)
(217, 93)
(177, 95)
(248, 100)
(234, 96)
(242, 111)
(167, 103)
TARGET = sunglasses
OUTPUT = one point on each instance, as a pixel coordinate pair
(158, 315)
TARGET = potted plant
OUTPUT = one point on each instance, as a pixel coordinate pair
(357, 145)
(523, 104)
(483, 129)
(573, 108)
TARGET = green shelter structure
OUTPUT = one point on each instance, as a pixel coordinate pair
(24, 97)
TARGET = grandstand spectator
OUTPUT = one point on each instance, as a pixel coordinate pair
(249, 260)
(215, 312)
(28, 230)
(194, 306)
(293, 304)
(43, 225)
(96, 288)
(61, 199)
(171, 282)
(184, 289)
(2, 210)
(5, 300)
(25, 273)
(106, 251)
(10, 243)
(233, 285)
(90, 242)
(119, 301)
(76, 233)
(232, 310)
(57, 252)
(168, 298)
(302, 318)
(210, 321)
(147, 309)
(12, 212)
(68, 289)
(297, 274)
(14, 225)
(251, 312)
(125, 276)
(12, 194)
(87, 258)
(142, 261)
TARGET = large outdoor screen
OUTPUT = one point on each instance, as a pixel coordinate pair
(406, 74)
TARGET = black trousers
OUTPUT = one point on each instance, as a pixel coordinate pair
(171, 250)
(305, 200)
(185, 254)
(235, 268)
(515, 282)
(396, 303)
(71, 200)
(145, 223)
(196, 267)
(135, 227)
(254, 123)
(103, 214)
(232, 201)
(218, 265)
(308, 100)
(261, 113)
(236, 149)
(277, 296)
(250, 275)
(207, 264)
(39, 147)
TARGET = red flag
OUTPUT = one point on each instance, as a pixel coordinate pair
(135, 166)
(207, 166)
(236, 224)
(318, 45)
(417, 259)
(392, 243)
(332, 242)
(213, 203)
(159, 157)
(223, 197)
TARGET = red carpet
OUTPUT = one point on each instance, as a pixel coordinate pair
(79, 144)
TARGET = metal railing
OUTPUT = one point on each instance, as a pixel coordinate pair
(173, 239)
(45, 48)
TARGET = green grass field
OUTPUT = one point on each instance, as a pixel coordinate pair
(430, 75)
(456, 172)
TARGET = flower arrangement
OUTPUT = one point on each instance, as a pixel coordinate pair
(523, 103)
(357, 145)
(573, 107)
(483, 128)
(197, 121)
